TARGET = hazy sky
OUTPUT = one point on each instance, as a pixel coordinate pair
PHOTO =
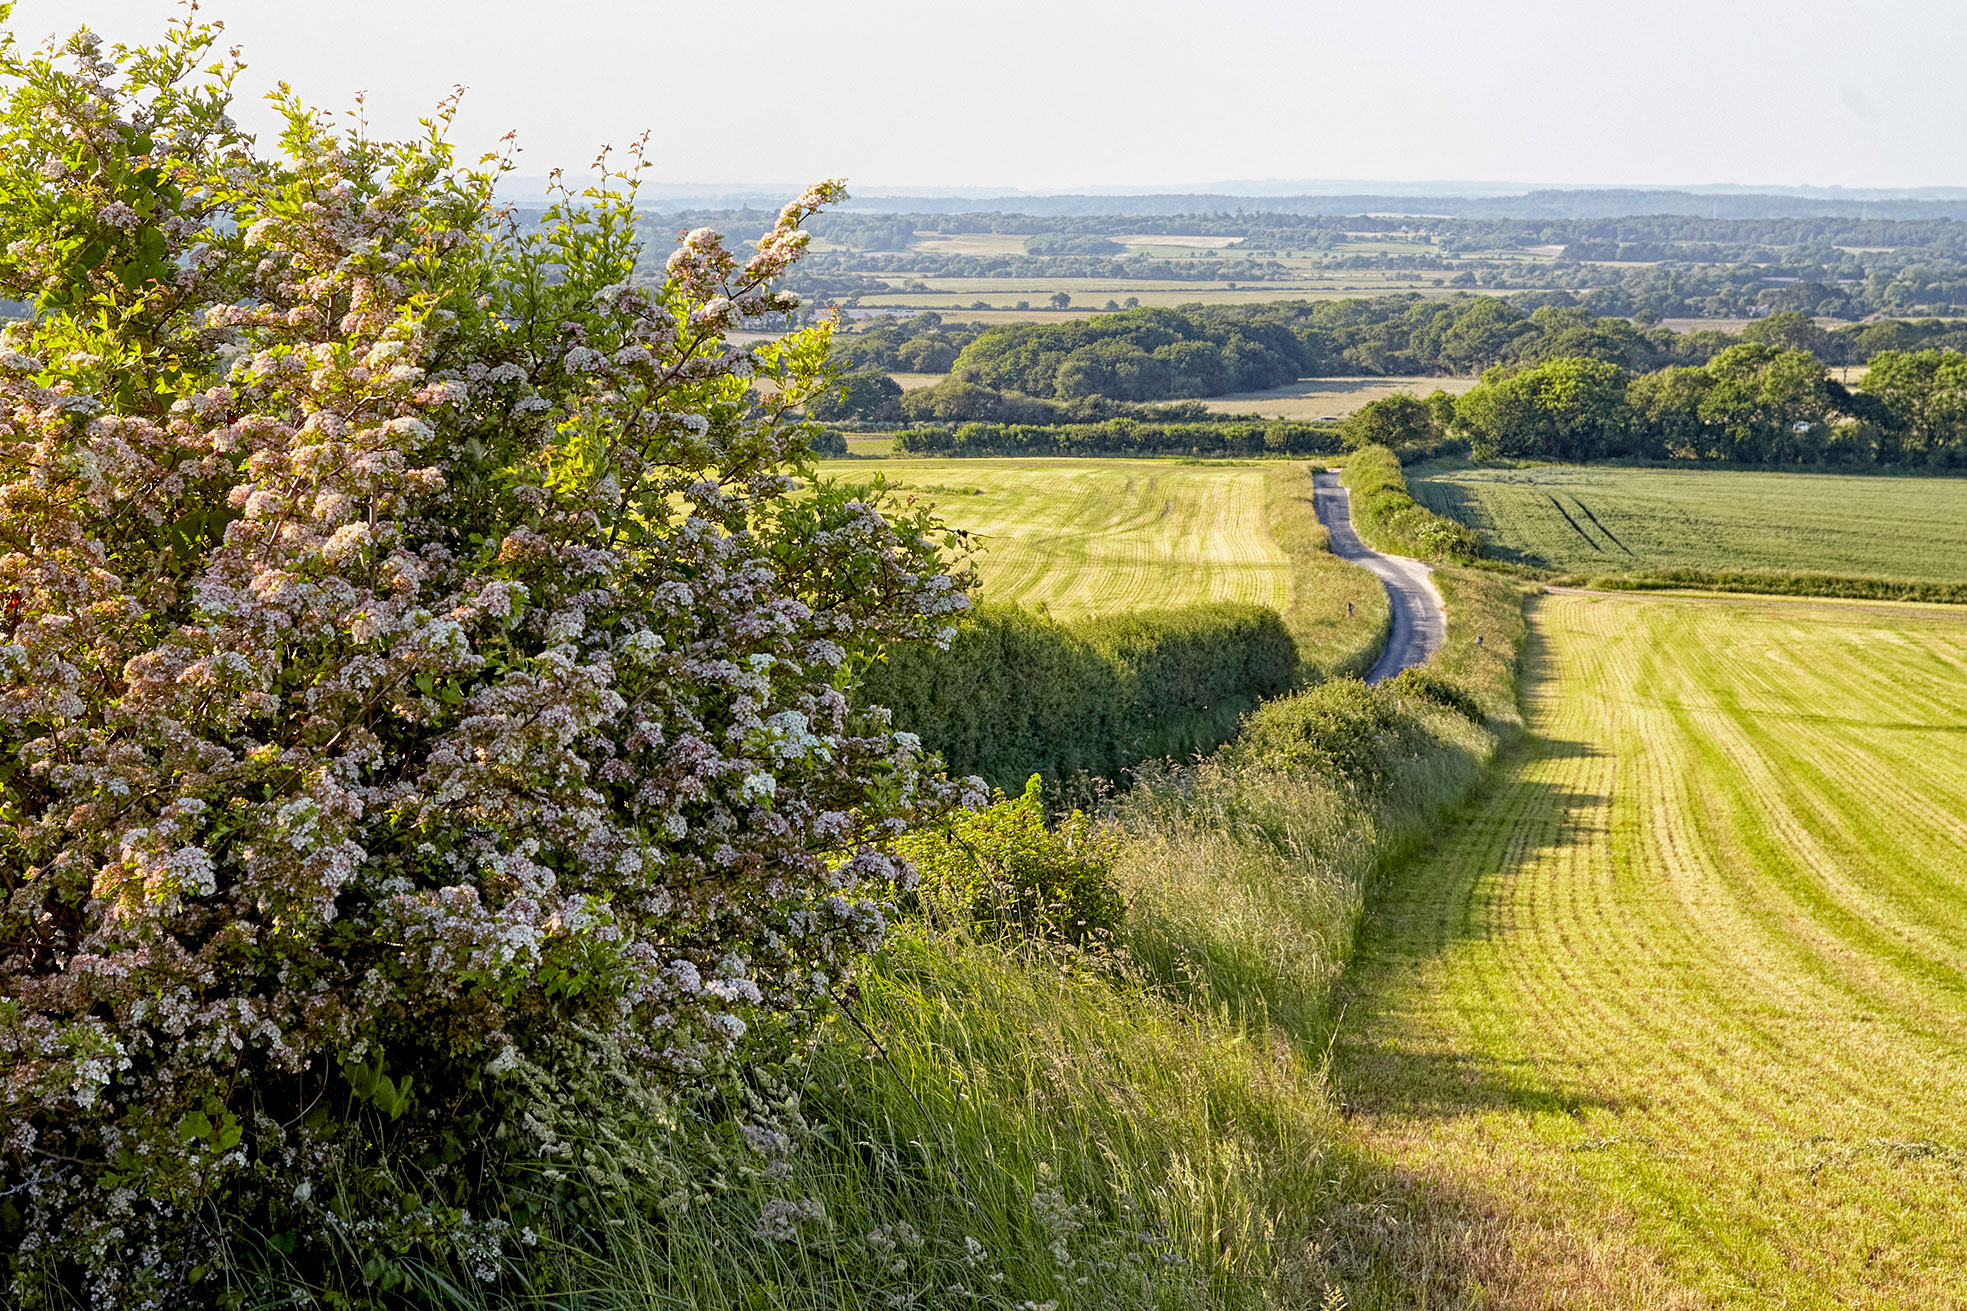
(1060, 94)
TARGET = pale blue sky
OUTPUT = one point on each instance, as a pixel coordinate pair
(1059, 94)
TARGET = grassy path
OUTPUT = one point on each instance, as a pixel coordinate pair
(1677, 1014)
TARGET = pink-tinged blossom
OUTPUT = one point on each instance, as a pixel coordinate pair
(374, 665)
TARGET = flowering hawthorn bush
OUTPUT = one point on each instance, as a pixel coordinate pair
(416, 667)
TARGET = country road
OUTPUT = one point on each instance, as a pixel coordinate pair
(1418, 624)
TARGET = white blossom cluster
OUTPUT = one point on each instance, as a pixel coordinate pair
(414, 644)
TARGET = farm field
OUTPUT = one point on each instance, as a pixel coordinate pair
(1672, 1015)
(1088, 537)
(1102, 536)
(1313, 398)
(1612, 520)
(955, 298)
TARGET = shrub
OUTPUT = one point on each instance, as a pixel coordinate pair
(1007, 873)
(1391, 520)
(420, 680)
(1342, 731)
(1018, 693)
(1426, 685)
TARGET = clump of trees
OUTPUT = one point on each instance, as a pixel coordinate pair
(1755, 402)
(425, 705)
(1067, 243)
(1155, 354)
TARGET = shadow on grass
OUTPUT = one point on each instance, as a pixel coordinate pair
(1401, 1239)
(1393, 1241)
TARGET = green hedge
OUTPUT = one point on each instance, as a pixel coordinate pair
(1019, 693)
(1774, 582)
(1391, 520)
(1122, 437)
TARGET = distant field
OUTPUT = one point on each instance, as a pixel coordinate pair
(1156, 241)
(970, 243)
(1101, 537)
(1731, 325)
(1315, 398)
(1602, 520)
(1090, 537)
(954, 298)
(1671, 1016)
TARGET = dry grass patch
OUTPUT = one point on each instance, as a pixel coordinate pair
(1315, 398)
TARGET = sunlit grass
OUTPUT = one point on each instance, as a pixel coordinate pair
(1600, 520)
(1673, 1013)
(1091, 537)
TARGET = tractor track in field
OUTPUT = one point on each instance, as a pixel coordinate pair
(1419, 624)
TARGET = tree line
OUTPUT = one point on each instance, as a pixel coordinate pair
(1022, 372)
(1755, 402)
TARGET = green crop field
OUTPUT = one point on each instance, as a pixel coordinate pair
(1605, 520)
(1672, 1016)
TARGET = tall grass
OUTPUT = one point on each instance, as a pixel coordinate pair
(1144, 1124)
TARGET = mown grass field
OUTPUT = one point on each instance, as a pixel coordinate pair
(1610, 520)
(1101, 537)
(1672, 1016)
(1086, 537)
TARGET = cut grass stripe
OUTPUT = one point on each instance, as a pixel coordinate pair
(1673, 1016)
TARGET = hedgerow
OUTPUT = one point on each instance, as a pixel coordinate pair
(1391, 520)
(420, 689)
(1774, 582)
(1122, 437)
(1017, 693)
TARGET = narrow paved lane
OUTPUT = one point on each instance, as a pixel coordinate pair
(1418, 625)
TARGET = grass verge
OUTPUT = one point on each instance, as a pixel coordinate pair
(1389, 519)
(1144, 1124)
(1670, 1017)
(1771, 582)
(1337, 615)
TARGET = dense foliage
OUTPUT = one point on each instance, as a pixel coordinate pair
(421, 685)
(1122, 437)
(1391, 520)
(1018, 693)
(922, 343)
(1752, 403)
(1009, 874)
(1136, 355)
(1209, 350)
